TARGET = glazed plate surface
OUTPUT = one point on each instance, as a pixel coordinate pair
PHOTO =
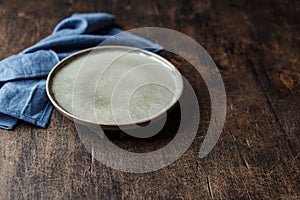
(114, 86)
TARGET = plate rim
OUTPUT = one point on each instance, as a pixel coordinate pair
(107, 126)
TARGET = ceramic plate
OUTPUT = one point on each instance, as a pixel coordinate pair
(114, 86)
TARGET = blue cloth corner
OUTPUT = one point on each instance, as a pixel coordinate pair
(23, 76)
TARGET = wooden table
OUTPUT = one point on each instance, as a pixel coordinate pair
(255, 45)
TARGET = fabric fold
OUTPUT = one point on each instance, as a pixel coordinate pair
(31, 65)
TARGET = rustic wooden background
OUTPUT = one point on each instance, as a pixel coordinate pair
(256, 45)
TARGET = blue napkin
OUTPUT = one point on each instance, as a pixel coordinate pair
(23, 76)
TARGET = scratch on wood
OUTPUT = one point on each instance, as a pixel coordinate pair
(247, 142)
(240, 154)
(249, 195)
(209, 187)
(245, 162)
(156, 9)
(92, 161)
(233, 137)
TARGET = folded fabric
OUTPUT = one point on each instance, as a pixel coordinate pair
(23, 76)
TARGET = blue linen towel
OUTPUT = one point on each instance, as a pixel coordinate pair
(23, 76)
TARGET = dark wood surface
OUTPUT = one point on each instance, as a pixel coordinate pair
(256, 45)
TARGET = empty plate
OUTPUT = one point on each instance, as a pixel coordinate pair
(114, 86)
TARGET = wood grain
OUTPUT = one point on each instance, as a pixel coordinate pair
(256, 47)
